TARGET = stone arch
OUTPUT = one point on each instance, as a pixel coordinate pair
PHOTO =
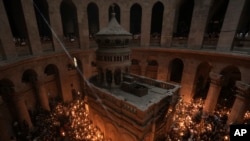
(230, 74)
(184, 15)
(29, 76)
(152, 69)
(115, 8)
(176, 70)
(31, 93)
(15, 15)
(202, 80)
(69, 19)
(93, 19)
(135, 67)
(156, 23)
(216, 17)
(135, 20)
(52, 85)
(214, 23)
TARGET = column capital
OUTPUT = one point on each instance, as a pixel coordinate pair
(216, 78)
(243, 89)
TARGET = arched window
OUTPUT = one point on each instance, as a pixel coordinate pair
(114, 8)
(184, 18)
(69, 19)
(93, 19)
(42, 18)
(214, 24)
(135, 19)
(16, 18)
(176, 69)
(156, 24)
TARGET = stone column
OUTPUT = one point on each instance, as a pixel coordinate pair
(168, 23)
(9, 49)
(32, 27)
(213, 93)
(83, 28)
(198, 24)
(103, 17)
(42, 96)
(56, 24)
(146, 25)
(230, 24)
(21, 109)
(125, 18)
(240, 104)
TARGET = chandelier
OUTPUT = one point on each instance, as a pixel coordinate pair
(68, 121)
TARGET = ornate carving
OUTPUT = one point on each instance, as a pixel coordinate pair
(216, 79)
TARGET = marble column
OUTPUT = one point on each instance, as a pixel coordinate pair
(56, 24)
(240, 104)
(21, 109)
(32, 27)
(83, 27)
(146, 26)
(42, 96)
(168, 23)
(213, 93)
(8, 45)
(198, 24)
(230, 24)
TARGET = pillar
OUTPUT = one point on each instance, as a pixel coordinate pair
(83, 29)
(125, 18)
(103, 17)
(168, 23)
(213, 93)
(146, 26)
(230, 24)
(21, 109)
(56, 24)
(240, 104)
(42, 96)
(32, 27)
(9, 49)
(198, 24)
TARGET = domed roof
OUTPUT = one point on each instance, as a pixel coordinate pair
(113, 28)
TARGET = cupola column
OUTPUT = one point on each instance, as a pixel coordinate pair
(213, 93)
(240, 104)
